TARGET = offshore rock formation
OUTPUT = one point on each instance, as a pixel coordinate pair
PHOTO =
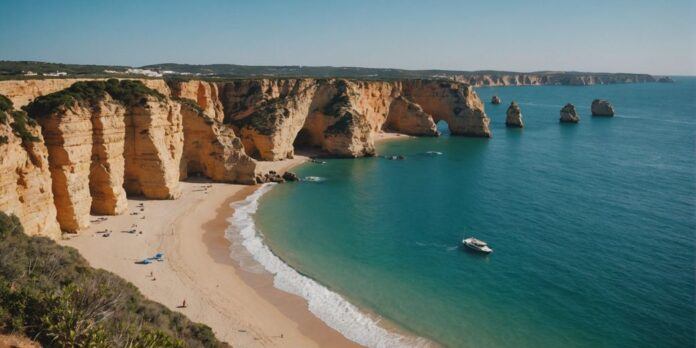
(340, 117)
(602, 107)
(514, 116)
(569, 115)
(496, 100)
(25, 182)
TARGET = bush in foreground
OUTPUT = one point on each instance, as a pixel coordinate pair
(49, 293)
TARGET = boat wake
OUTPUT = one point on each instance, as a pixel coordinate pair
(328, 306)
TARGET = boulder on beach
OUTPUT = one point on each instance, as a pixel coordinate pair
(496, 100)
(601, 107)
(569, 115)
(514, 116)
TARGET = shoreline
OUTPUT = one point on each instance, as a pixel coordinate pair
(242, 307)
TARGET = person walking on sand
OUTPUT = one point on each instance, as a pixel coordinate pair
(183, 305)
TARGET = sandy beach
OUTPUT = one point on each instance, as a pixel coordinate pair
(241, 307)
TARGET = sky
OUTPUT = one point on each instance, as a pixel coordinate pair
(655, 37)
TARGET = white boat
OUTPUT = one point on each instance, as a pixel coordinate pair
(478, 245)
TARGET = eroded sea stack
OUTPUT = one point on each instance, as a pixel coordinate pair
(514, 116)
(82, 147)
(601, 107)
(569, 115)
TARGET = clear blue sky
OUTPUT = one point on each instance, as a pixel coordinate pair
(657, 37)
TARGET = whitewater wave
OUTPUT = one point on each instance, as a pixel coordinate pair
(328, 306)
(433, 153)
(314, 178)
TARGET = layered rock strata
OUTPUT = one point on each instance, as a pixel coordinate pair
(25, 182)
(514, 116)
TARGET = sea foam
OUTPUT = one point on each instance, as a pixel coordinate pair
(328, 306)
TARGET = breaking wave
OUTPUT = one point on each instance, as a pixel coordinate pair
(328, 306)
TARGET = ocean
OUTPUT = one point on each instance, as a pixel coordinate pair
(592, 226)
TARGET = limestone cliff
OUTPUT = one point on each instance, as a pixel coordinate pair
(409, 118)
(340, 117)
(154, 146)
(97, 141)
(211, 149)
(25, 182)
(205, 94)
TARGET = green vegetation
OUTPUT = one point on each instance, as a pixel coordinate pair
(19, 126)
(13, 68)
(49, 293)
(128, 92)
(5, 103)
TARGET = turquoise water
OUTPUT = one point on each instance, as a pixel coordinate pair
(592, 224)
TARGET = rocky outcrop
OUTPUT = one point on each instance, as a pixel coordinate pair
(25, 182)
(496, 100)
(409, 118)
(455, 103)
(514, 116)
(569, 115)
(602, 107)
(205, 94)
(340, 117)
(211, 149)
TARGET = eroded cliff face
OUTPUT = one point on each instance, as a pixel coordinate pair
(25, 182)
(211, 149)
(153, 150)
(205, 94)
(68, 137)
(340, 117)
(100, 141)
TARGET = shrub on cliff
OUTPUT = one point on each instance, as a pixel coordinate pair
(5, 103)
(49, 293)
(128, 92)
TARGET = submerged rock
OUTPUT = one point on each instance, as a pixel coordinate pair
(569, 115)
(601, 107)
(496, 100)
(514, 116)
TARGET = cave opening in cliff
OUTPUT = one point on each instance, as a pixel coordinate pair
(443, 127)
(304, 142)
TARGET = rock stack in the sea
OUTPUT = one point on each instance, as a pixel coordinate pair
(514, 116)
(569, 115)
(601, 107)
(496, 100)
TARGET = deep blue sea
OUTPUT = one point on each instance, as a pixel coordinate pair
(592, 224)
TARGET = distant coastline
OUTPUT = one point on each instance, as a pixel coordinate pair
(43, 70)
